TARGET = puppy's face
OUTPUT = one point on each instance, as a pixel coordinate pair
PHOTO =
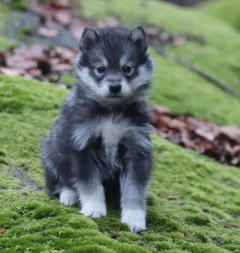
(113, 63)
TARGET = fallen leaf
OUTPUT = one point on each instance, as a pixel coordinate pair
(2, 58)
(2, 230)
(60, 4)
(65, 53)
(11, 71)
(232, 132)
(62, 67)
(108, 22)
(47, 32)
(36, 73)
(220, 143)
(63, 17)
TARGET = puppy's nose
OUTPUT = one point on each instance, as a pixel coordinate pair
(115, 87)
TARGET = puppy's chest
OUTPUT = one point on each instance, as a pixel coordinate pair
(111, 131)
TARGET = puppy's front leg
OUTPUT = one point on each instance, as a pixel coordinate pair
(133, 184)
(89, 186)
(92, 198)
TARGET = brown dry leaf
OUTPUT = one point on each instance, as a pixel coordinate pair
(221, 143)
(35, 72)
(2, 59)
(63, 17)
(2, 230)
(60, 4)
(152, 32)
(19, 62)
(233, 225)
(62, 67)
(31, 52)
(156, 32)
(54, 61)
(185, 235)
(44, 10)
(232, 132)
(47, 32)
(179, 41)
(207, 133)
(159, 109)
(77, 27)
(235, 160)
(108, 22)
(65, 53)
(11, 71)
(38, 61)
(164, 36)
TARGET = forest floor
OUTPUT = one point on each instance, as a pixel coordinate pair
(194, 203)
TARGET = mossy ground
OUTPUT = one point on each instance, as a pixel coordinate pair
(183, 91)
(228, 11)
(194, 203)
(5, 44)
(193, 206)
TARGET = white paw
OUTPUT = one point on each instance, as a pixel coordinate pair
(93, 209)
(68, 197)
(135, 219)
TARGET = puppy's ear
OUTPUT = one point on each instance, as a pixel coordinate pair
(139, 37)
(89, 37)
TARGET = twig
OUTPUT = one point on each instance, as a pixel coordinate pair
(220, 84)
(207, 76)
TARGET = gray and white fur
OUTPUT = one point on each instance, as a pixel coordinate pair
(99, 147)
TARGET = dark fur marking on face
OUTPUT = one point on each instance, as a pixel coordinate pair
(112, 49)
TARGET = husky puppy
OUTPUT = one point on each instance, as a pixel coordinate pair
(100, 142)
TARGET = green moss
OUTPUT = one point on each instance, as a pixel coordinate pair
(15, 98)
(182, 91)
(199, 219)
(202, 248)
(5, 44)
(68, 79)
(228, 11)
(21, 5)
(25, 31)
(8, 218)
(193, 199)
(165, 246)
(160, 222)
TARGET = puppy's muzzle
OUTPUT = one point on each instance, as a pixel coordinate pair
(115, 87)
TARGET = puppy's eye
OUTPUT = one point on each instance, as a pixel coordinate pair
(101, 69)
(126, 69)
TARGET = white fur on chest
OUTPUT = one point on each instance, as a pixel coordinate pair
(112, 130)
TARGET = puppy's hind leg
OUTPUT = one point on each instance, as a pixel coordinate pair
(51, 181)
(67, 195)
(58, 178)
